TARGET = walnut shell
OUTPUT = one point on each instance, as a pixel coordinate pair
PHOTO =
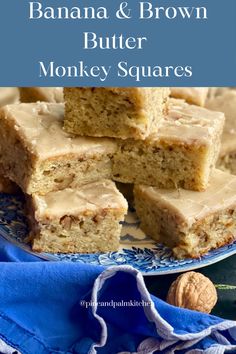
(193, 291)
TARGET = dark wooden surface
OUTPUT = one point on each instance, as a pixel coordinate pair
(223, 272)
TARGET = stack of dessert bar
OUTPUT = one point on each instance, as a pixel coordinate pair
(181, 199)
(192, 222)
(66, 159)
(71, 203)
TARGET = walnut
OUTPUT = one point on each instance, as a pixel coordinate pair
(66, 222)
(193, 291)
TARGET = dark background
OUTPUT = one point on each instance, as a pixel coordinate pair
(223, 272)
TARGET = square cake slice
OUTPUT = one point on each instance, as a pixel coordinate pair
(224, 100)
(39, 156)
(191, 223)
(44, 94)
(181, 154)
(114, 112)
(83, 220)
(193, 95)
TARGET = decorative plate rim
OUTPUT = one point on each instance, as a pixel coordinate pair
(154, 259)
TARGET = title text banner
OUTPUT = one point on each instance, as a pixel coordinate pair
(118, 43)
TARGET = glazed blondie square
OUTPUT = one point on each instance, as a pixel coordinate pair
(181, 154)
(114, 112)
(192, 95)
(191, 223)
(44, 94)
(39, 156)
(83, 220)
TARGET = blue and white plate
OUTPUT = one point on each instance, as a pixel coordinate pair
(136, 249)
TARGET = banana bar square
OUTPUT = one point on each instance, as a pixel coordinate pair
(181, 154)
(83, 220)
(191, 223)
(39, 156)
(114, 112)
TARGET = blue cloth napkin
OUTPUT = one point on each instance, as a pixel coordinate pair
(55, 307)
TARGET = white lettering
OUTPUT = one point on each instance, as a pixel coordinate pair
(201, 10)
(92, 41)
(185, 12)
(171, 12)
(46, 72)
(145, 10)
(35, 10)
(81, 71)
(140, 72)
(148, 11)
